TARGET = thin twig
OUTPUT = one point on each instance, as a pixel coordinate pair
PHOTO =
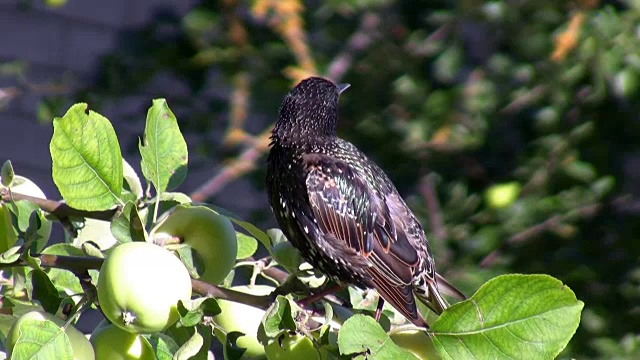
(523, 101)
(59, 208)
(235, 169)
(206, 289)
(366, 34)
(238, 104)
(74, 264)
(526, 235)
(427, 189)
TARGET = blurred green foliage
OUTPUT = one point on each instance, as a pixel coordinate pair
(454, 99)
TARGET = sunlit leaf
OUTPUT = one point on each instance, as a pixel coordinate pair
(86, 159)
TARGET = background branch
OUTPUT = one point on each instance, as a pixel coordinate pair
(366, 34)
(528, 234)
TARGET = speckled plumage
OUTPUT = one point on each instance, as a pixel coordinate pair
(341, 211)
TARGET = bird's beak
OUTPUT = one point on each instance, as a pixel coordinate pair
(342, 87)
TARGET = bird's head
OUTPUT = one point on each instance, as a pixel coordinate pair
(309, 111)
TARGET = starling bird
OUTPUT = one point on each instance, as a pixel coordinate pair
(341, 211)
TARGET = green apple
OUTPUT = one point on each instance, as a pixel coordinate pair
(245, 319)
(291, 347)
(24, 186)
(417, 342)
(211, 235)
(502, 195)
(139, 287)
(112, 343)
(82, 349)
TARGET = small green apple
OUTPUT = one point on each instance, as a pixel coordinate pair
(24, 186)
(291, 347)
(82, 349)
(417, 342)
(211, 235)
(139, 287)
(245, 319)
(502, 195)
(112, 343)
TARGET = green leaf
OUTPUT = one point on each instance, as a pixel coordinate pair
(163, 345)
(603, 186)
(44, 291)
(197, 347)
(8, 237)
(276, 236)
(132, 180)
(361, 334)
(231, 349)
(190, 348)
(86, 159)
(35, 223)
(128, 225)
(89, 248)
(179, 333)
(42, 340)
(163, 149)
(580, 170)
(11, 255)
(192, 311)
(33, 262)
(22, 209)
(362, 299)
(247, 245)
(30, 221)
(278, 318)
(283, 251)
(63, 249)
(64, 280)
(191, 260)
(177, 197)
(7, 174)
(510, 317)
(307, 274)
(20, 282)
(6, 322)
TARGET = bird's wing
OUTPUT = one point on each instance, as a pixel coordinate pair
(358, 221)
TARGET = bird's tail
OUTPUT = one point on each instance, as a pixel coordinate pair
(430, 293)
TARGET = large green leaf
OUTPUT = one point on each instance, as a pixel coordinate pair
(86, 159)
(163, 149)
(42, 340)
(510, 317)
